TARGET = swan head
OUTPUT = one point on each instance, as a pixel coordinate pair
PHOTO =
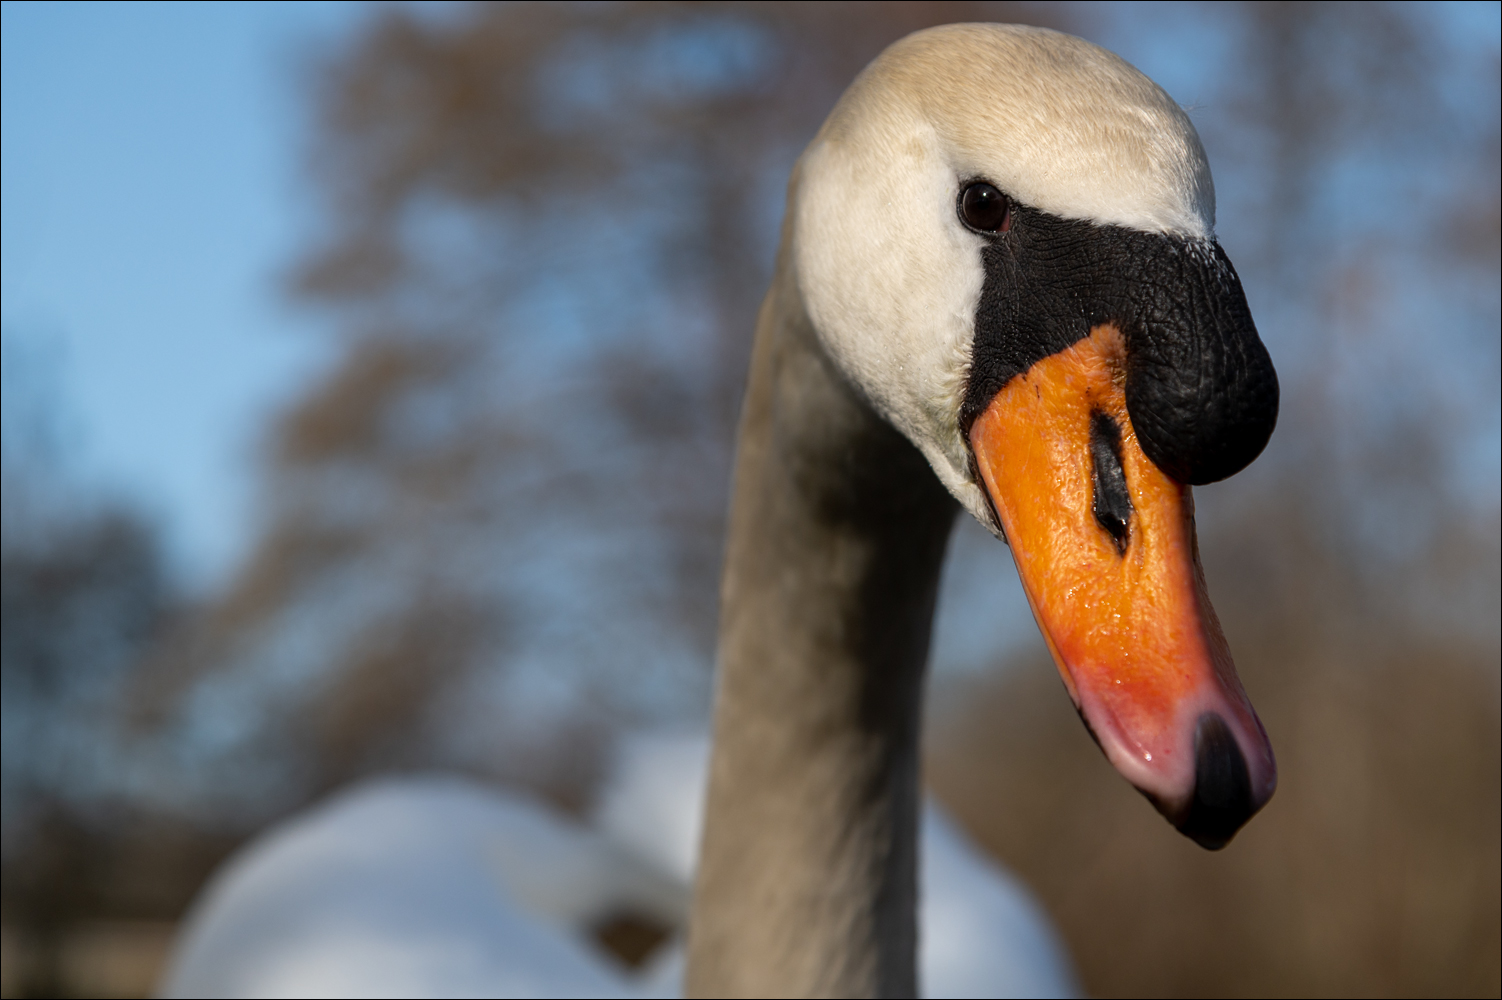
(1004, 238)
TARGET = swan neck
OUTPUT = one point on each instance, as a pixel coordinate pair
(807, 882)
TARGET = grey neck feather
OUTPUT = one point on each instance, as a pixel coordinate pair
(807, 882)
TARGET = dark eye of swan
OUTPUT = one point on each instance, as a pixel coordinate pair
(985, 208)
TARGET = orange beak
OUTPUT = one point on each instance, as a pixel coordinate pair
(1104, 543)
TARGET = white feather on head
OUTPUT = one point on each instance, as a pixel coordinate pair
(890, 277)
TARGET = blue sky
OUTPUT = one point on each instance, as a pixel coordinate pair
(151, 196)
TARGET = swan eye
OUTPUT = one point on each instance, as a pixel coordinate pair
(985, 208)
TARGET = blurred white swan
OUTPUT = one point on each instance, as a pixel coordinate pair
(435, 886)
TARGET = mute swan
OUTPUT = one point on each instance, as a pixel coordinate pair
(998, 288)
(431, 886)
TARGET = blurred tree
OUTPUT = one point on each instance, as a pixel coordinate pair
(82, 595)
(547, 230)
(78, 601)
(1354, 141)
(82, 592)
(493, 532)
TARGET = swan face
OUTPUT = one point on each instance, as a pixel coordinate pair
(1067, 367)
(892, 278)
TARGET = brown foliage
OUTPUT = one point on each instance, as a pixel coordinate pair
(1374, 870)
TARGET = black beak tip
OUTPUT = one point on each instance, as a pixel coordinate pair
(1222, 800)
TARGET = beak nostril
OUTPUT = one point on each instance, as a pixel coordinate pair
(1222, 787)
(1112, 503)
